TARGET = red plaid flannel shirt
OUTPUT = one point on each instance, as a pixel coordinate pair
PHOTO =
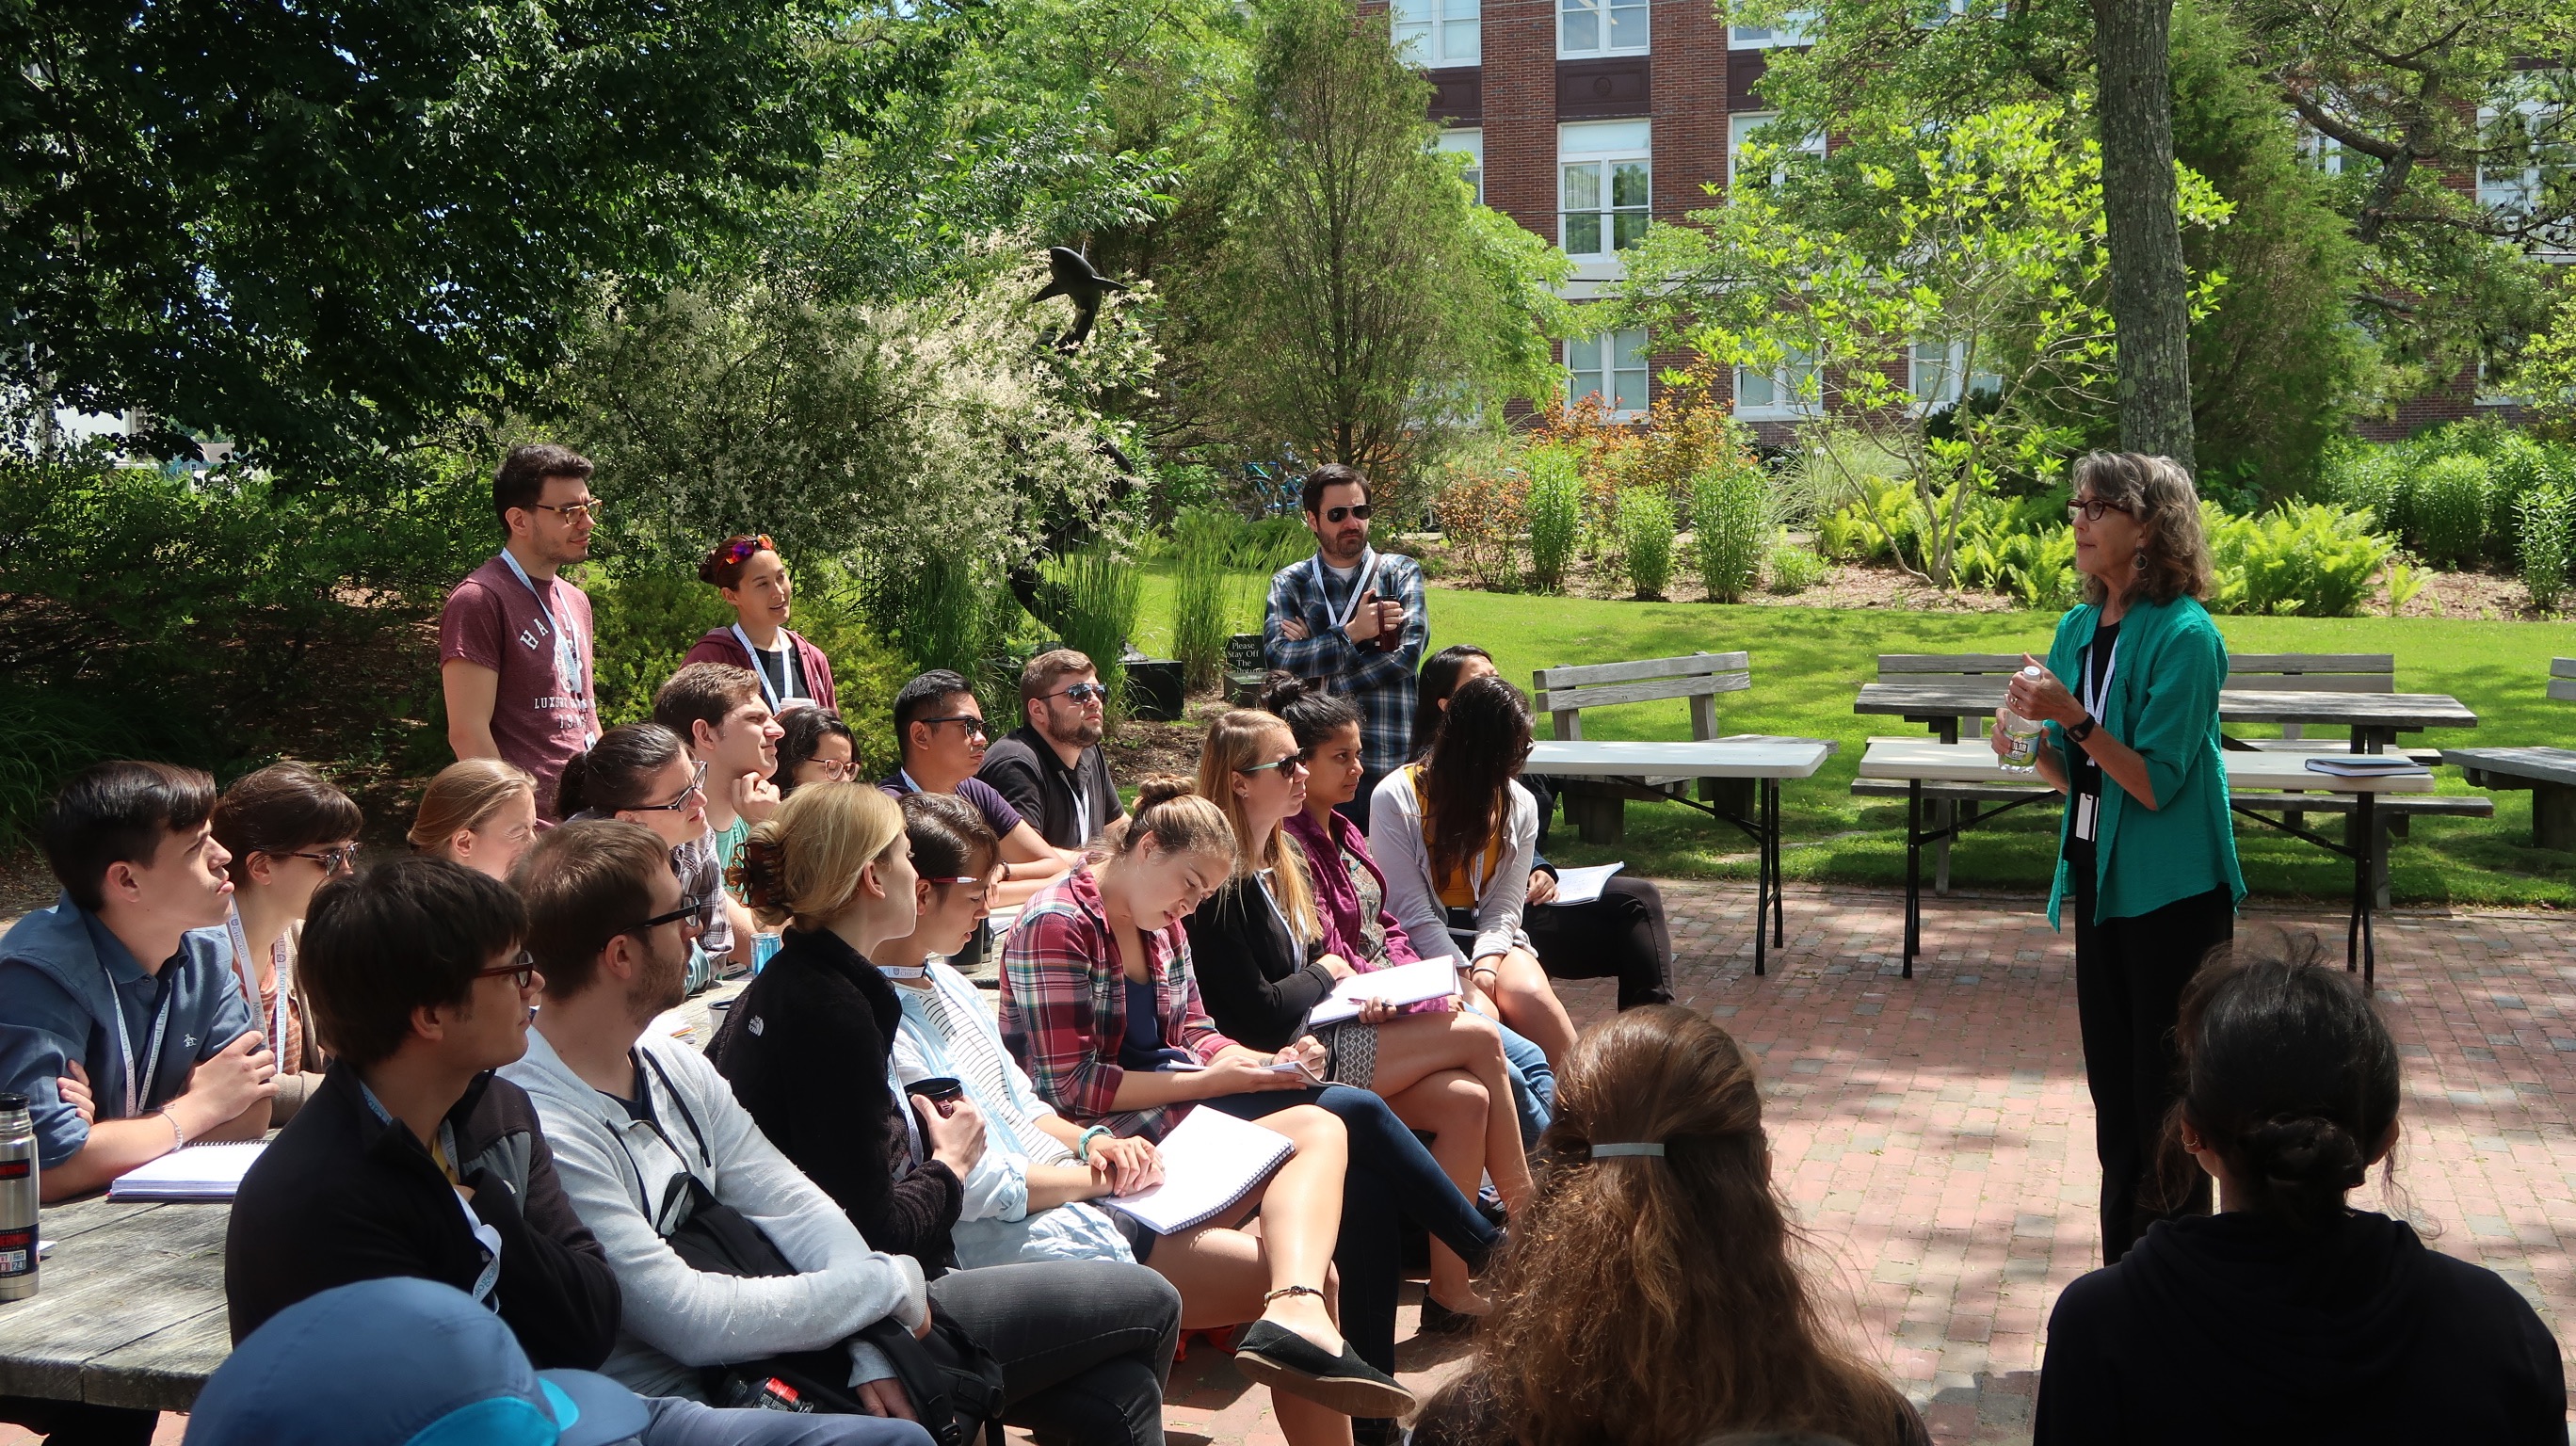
(1064, 1005)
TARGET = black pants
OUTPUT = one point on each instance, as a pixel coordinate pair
(1392, 1177)
(1084, 1345)
(2129, 977)
(78, 1423)
(1620, 933)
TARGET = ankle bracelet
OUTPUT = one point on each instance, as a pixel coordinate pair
(1292, 1290)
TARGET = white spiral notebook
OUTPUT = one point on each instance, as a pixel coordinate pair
(1210, 1161)
(199, 1172)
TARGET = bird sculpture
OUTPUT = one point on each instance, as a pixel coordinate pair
(1076, 281)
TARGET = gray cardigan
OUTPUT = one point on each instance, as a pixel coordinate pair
(1395, 840)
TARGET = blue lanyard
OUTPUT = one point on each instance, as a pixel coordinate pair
(567, 652)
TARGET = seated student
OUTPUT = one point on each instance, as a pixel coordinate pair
(1623, 932)
(479, 812)
(642, 773)
(288, 830)
(2289, 1315)
(1100, 1003)
(1051, 768)
(1348, 886)
(940, 728)
(1652, 1293)
(1084, 1345)
(814, 746)
(118, 1019)
(414, 1159)
(1025, 1196)
(793, 673)
(1455, 835)
(721, 718)
(1262, 967)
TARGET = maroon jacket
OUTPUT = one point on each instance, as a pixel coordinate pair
(718, 646)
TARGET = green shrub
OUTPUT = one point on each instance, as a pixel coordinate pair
(2363, 476)
(1555, 511)
(1102, 594)
(2545, 531)
(2038, 569)
(1794, 569)
(1731, 522)
(1646, 529)
(2449, 508)
(1860, 529)
(1203, 543)
(2303, 558)
(2520, 466)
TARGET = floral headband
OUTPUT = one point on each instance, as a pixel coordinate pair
(743, 547)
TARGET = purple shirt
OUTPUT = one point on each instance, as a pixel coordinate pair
(1337, 900)
(540, 717)
(999, 816)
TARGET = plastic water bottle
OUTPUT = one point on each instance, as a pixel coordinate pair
(18, 1196)
(2022, 756)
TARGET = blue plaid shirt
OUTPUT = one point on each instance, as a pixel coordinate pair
(1381, 684)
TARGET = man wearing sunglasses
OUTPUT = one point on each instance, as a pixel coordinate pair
(940, 728)
(1051, 768)
(1352, 620)
(514, 643)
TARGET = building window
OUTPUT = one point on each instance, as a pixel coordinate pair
(1779, 393)
(1439, 32)
(2319, 149)
(1612, 366)
(1468, 141)
(2527, 154)
(1794, 27)
(1600, 27)
(1933, 371)
(1741, 127)
(1604, 180)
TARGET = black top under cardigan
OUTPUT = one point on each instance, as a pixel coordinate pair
(1254, 979)
(814, 1080)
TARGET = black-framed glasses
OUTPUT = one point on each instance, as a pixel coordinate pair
(974, 725)
(343, 859)
(1359, 510)
(577, 512)
(521, 971)
(1083, 693)
(691, 909)
(696, 792)
(2092, 508)
(1288, 767)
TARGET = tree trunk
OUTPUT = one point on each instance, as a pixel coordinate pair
(2150, 287)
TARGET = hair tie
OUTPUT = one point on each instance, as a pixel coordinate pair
(1628, 1147)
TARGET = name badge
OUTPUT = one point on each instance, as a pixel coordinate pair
(2087, 806)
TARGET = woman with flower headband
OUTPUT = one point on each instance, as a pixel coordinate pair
(753, 579)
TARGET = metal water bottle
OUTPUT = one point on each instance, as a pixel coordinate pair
(17, 1199)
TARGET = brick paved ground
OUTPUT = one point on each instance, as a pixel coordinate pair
(1934, 1134)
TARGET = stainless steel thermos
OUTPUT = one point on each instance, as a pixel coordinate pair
(17, 1199)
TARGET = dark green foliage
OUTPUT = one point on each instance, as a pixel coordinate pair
(2545, 536)
(2448, 508)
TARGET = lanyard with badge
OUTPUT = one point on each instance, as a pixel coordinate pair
(138, 1088)
(568, 673)
(1361, 577)
(242, 970)
(1081, 804)
(2091, 695)
(773, 696)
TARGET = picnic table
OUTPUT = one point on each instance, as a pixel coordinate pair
(2374, 718)
(1760, 759)
(129, 1309)
(1920, 761)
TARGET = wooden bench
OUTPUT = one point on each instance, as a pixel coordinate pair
(1597, 807)
(1951, 802)
(2549, 772)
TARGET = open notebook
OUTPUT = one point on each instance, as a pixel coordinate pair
(1404, 984)
(1210, 1161)
(199, 1172)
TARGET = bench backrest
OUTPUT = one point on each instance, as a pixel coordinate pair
(2314, 672)
(1563, 693)
(1928, 667)
(2562, 679)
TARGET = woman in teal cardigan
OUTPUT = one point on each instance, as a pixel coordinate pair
(2146, 852)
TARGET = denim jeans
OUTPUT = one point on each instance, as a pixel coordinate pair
(679, 1422)
(1391, 1177)
(1533, 1085)
(1084, 1345)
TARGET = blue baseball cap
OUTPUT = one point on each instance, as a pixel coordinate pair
(401, 1362)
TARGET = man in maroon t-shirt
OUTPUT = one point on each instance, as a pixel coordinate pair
(514, 645)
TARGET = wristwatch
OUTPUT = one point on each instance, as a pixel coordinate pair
(2078, 732)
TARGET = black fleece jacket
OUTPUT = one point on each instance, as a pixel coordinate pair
(342, 1196)
(1256, 982)
(815, 1080)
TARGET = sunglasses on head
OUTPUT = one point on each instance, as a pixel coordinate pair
(742, 547)
(1336, 514)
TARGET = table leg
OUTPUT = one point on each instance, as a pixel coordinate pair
(1913, 871)
(1763, 883)
(1779, 890)
(2370, 856)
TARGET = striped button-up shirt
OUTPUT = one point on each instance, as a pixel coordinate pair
(1064, 1005)
(1379, 683)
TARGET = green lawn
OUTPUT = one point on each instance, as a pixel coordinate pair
(1809, 662)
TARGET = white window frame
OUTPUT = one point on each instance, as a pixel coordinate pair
(1468, 141)
(1793, 28)
(1427, 32)
(1740, 127)
(1602, 14)
(1605, 148)
(1608, 373)
(2516, 190)
(1787, 380)
(2320, 150)
(1946, 376)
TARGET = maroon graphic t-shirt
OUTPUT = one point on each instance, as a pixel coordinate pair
(542, 716)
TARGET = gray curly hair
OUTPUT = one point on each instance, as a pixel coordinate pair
(2174, 556)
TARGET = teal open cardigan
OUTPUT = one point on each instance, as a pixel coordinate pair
(2164, 703)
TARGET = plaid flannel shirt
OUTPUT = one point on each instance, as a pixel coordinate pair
(1064, 1005)
(1381, 684)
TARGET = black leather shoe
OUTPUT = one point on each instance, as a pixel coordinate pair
(1440, 1320)
(1283, 1360)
